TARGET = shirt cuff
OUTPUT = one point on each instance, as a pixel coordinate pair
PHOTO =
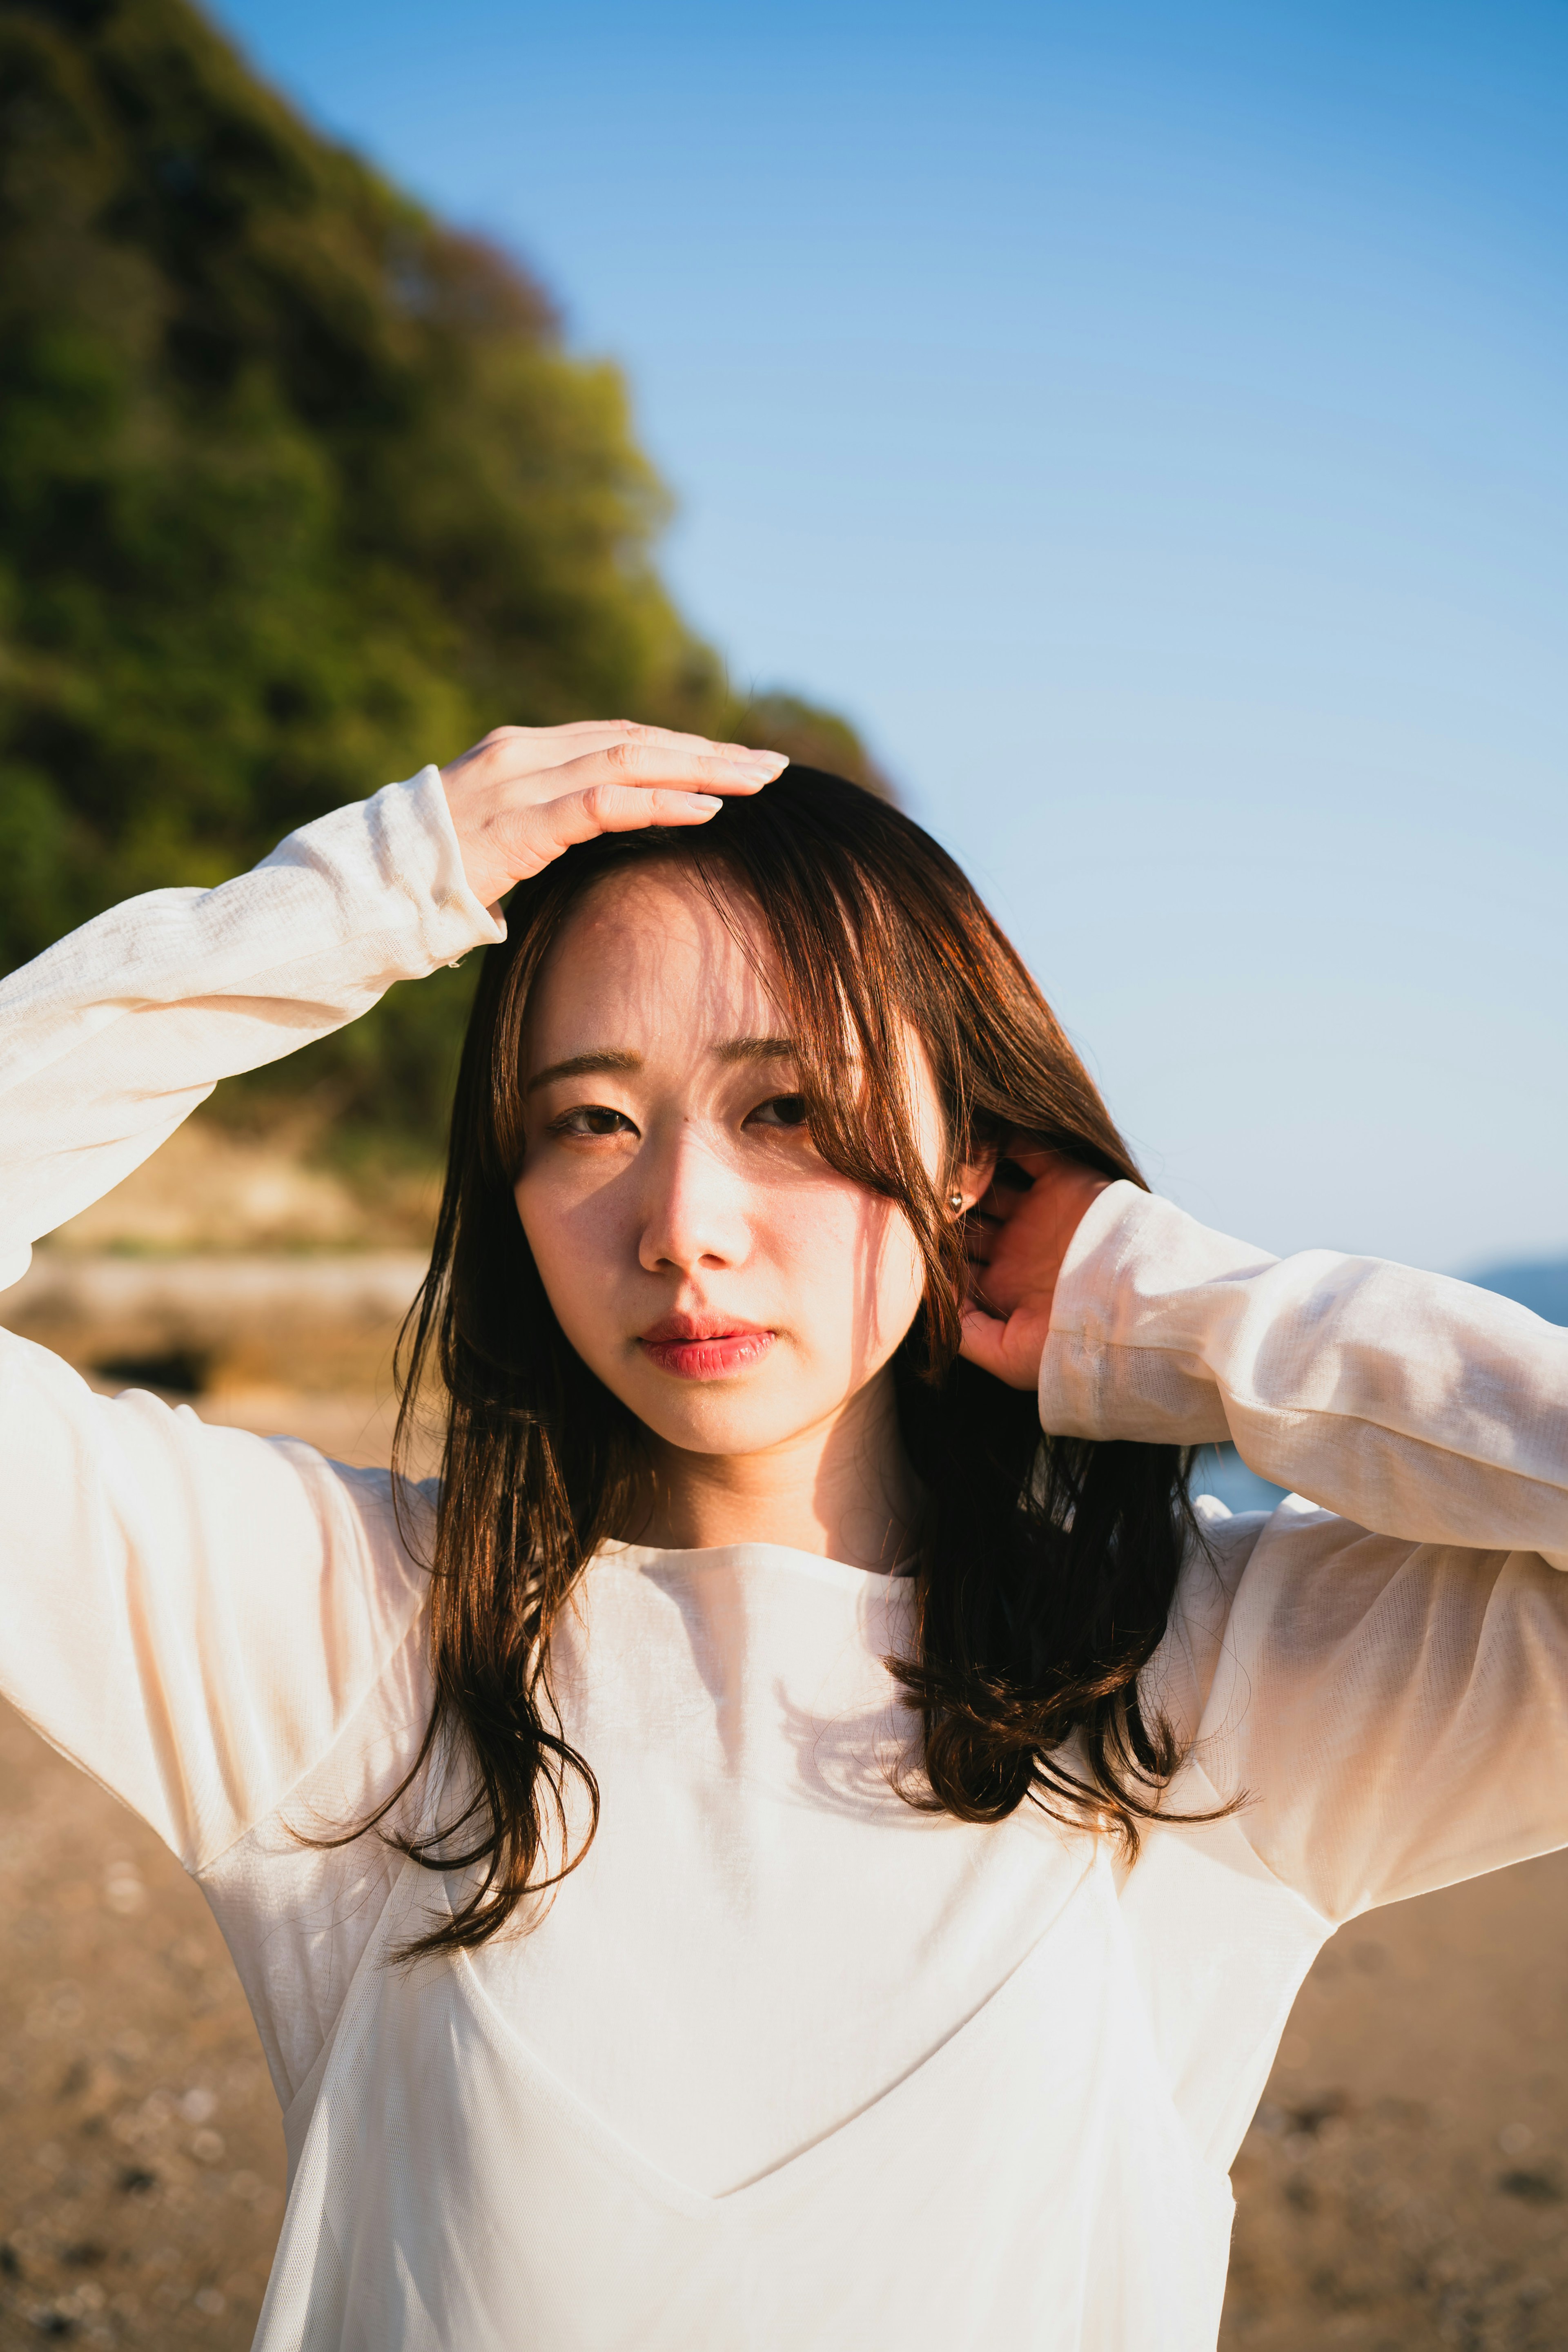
(1110, 1369)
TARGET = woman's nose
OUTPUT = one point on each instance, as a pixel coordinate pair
(694, 1212)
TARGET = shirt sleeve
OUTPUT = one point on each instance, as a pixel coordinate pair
(1380, 1669)
(112, 1036)
(192, 1613)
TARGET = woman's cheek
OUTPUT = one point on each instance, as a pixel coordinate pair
(578, 1262)
(901, 1285)
(860, 1278)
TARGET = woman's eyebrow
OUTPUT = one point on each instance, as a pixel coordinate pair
(756, 1049)
(577, 1065)
(612, 1058)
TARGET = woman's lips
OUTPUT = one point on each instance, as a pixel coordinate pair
(704, 1347)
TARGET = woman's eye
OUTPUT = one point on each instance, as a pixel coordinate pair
(782, 1110)
(591, 1119)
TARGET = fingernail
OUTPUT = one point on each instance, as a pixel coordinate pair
(704, 800)
(768, 764)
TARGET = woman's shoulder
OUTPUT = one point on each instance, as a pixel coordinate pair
(1218, 1556)
(1179, 1677)
(383, 1521)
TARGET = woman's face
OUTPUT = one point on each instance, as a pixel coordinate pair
(720, 1279)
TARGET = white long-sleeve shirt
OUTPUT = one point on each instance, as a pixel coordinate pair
(786, 2064)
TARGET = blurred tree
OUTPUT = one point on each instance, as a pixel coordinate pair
(297, 489)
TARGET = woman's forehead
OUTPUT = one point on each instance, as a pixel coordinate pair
(648, 971)
(646, 953)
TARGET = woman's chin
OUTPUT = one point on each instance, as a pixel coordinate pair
(735, 1415)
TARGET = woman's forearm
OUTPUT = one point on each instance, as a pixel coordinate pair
(113, 1036)
(1414, 1405)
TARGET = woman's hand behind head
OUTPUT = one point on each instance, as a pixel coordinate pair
(526, 793)
(1018, 1234)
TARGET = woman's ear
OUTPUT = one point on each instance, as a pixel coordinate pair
(971, 1180)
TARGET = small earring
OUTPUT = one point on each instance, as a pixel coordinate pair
(954, 1201)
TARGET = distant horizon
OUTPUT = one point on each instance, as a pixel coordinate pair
(1540, 1283)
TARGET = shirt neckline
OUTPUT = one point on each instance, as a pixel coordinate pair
(783, 1558)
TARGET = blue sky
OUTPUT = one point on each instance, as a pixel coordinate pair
(1151, 424)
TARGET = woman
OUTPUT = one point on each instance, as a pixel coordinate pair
(770, 1852)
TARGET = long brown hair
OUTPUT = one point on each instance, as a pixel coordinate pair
(1045, 1566)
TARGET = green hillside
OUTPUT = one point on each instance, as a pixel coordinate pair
(297, 489)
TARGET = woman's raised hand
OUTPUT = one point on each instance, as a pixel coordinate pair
(526, 793)
(1018, 1236)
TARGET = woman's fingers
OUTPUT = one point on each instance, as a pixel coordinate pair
(544, 831)
(695, 766)
(512, 753)
(514, 811)
(982, 1341)
(1007, 1346)
(1020, 1166)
